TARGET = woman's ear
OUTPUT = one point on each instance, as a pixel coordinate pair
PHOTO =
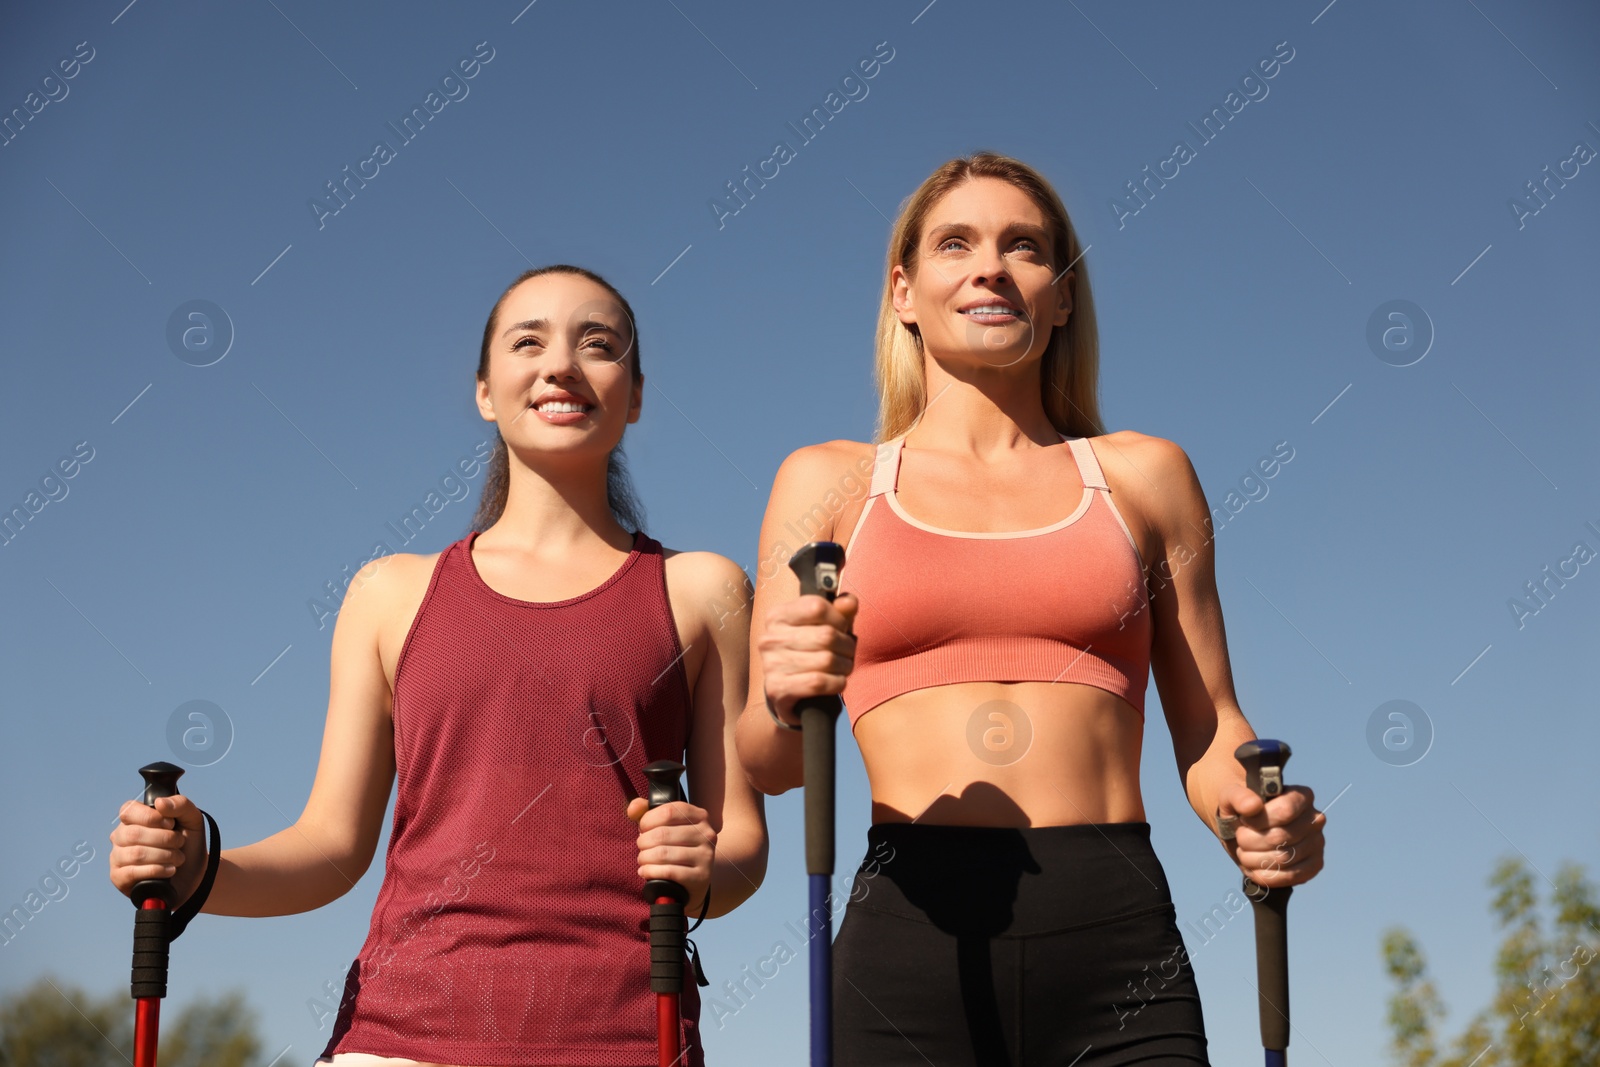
(484, 401)
(1064, 297)
(900, 294)
(636, 404)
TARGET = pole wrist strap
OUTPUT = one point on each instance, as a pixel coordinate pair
(180, 916)
(700, 978)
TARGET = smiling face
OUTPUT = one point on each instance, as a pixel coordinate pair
(985, 287)
(560, 374)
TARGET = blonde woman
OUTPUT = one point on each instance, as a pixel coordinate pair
(1012, 575)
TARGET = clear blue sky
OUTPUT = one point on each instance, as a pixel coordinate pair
(1378, 164)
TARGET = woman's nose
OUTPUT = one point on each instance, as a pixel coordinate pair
(990, 266)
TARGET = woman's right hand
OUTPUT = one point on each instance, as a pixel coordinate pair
(807, 649)
(165, 841)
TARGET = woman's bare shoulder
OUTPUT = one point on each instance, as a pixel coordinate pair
(383, 598)
(697, 576)
(710, 597)
(832, 455)
(1152, 477)
(396, 578)
(812, 471)
(382, 603)
(1140, 461)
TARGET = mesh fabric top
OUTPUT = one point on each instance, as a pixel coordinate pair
(509, 928)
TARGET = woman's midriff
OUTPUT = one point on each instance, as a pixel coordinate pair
(1004, 754)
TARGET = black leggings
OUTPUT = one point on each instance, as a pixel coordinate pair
(1006, 947)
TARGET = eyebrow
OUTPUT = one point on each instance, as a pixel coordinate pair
(544, 324)
(527, 324)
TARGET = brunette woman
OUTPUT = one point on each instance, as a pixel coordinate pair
(516, 684)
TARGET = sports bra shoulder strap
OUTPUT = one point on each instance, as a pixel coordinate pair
(1088, 465)
(886, 466)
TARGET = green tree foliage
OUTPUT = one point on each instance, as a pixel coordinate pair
(55, 1024)
(1546, 1007)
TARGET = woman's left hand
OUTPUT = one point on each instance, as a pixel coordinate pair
(1277, 842)
(676, 842)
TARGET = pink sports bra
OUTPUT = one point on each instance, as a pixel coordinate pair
(1062, 603)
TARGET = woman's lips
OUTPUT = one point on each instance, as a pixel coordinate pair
(562, 418)
(993, 318)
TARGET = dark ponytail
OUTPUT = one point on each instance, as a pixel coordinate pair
(624, 503)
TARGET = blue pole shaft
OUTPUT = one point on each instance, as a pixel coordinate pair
(1276, 1057)
(821, 974)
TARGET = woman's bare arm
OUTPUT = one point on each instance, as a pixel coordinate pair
(716, 781)
(1189, 655)
(770, 754)
(1280, 842)
(325, 852)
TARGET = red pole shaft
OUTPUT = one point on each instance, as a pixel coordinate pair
(147, 1017)
(667, 1015)
(667, 1029)
(147, 1020)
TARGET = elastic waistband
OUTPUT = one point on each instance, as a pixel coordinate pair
(999, 881)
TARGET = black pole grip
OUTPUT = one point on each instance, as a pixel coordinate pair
(152, 926)
(666, 920)
(1263, 763)
(151, 941)
(160, 780)
(1271, 907)
(817, 564)
(661, 782)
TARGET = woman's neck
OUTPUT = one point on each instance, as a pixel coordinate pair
(546, 511)
(983, 411)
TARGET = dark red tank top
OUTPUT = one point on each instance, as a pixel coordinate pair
(510, 928)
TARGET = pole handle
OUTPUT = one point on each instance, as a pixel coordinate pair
(154, 899)
(818, 564)
(1263, 761)
(662, 784)
(666, 898)
(160, 780)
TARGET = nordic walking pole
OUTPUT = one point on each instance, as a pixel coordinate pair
(667, 899)
(151, 937)
(1263, 764)
(818, 564)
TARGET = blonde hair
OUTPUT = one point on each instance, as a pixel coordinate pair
(1069, 370)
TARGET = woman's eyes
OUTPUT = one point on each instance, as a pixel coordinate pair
(600, 342)
(1032, 246)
